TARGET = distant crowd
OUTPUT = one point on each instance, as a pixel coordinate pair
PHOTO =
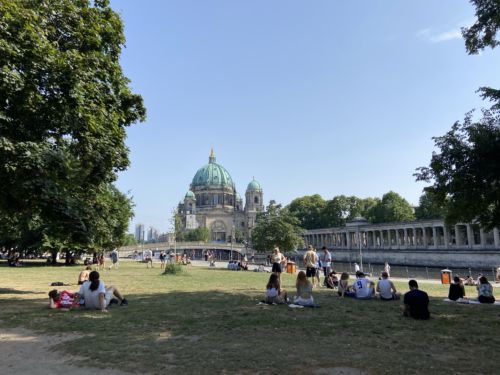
(415, 302)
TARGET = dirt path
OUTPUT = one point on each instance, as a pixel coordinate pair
(24, 352)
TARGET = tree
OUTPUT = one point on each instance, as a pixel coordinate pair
(391, 208)
(129, 240)
(482, 34)
(276, 227)
(198, 234)
(341, 209)
(64, 106)
(308, 211)
(466, 172)
(429, 208)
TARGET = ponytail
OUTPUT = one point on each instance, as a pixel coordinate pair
(94, 280)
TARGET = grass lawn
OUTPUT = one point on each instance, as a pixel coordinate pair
(206, 321)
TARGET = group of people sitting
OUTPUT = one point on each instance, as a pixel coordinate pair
(416, 302)
(93, 294)
(235, 265)
(483, 287)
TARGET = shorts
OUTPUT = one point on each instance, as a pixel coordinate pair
(108, 296)
(394, 297)
(304, 301)
(277, 267)
(310, 271)
(277, 300)
(347, 294)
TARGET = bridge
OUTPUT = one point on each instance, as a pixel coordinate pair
(222, 250)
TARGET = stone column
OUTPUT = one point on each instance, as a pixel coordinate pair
(482, 235)
(389, 239)
(348, 239)
(446, 237)
(434, 237)
(424, 237)
(470, 236)
(458, 240)
(496, 237)
(405, 237)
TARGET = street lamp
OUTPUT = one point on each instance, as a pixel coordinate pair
(360, 250)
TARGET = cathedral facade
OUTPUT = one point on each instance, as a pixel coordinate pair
(213, 202)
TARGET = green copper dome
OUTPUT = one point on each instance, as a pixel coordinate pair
(190, 194)
(254, 186)
(212, 174)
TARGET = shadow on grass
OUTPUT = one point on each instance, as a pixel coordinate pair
(15, 291)
(228, 331)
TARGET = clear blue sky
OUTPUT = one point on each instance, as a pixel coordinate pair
(327, 97)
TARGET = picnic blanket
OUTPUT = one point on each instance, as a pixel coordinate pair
(470, 302)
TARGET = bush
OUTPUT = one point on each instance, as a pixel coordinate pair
(173, 269)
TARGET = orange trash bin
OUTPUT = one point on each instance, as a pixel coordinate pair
(445, 276)
(178, 258)
(291, 267)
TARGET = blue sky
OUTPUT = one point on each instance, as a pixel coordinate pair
(325, 97)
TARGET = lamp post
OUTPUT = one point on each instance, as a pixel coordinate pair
(360, 250)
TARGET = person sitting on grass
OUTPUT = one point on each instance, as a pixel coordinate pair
(457, 289)
(274, 293)
(97, 296)
(331, 280)
(485, 291)
(363, 287)
(344, 289)
(416, 302)
(84, 275)
(386, 288)
(304, 290)
(62, 300)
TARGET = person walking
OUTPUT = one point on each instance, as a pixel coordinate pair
(276, 259)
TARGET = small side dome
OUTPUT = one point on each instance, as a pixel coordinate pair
(238, 197)
(190, 194)
(254, 186)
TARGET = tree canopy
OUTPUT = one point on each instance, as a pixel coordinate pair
(391, 208)
(308, 210)
(276, 227)
(465, 173)
(64, 106)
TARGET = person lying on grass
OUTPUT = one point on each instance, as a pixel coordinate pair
(386, 288)
(97, 296)
(62, 300)
(274, 293)
(304, 290)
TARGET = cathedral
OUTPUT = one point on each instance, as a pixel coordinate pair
(213, 202)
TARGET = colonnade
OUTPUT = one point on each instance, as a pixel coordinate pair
(429, 234)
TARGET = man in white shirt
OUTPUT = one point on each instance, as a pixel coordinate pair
(363, 287)
(386, 288)
(148, 258)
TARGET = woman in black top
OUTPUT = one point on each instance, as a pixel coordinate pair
(457, 289)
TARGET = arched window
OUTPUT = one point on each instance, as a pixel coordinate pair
(256, 200)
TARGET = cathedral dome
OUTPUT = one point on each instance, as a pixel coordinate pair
(254, 186)
(212, 174)
(190, 194)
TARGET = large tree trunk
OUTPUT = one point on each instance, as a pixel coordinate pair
(54, 257)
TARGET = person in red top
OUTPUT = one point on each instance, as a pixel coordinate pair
(63, 300)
